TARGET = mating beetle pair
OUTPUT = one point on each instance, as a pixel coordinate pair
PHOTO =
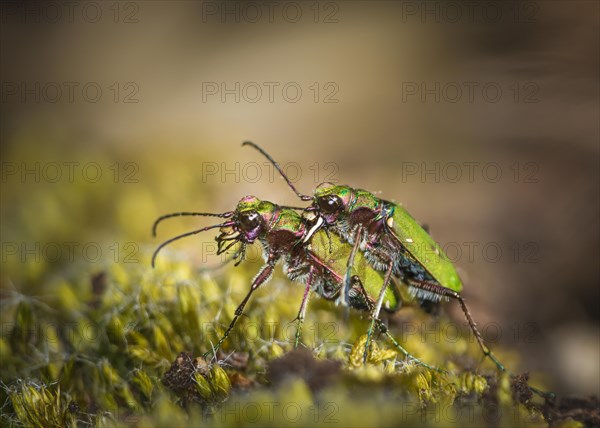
(320, 264)
(348, 246)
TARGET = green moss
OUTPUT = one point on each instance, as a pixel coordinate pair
(107, 362)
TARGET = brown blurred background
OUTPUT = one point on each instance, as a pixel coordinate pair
(481, 119)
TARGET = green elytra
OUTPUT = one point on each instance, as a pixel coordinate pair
(427, 252)
(319, 264)
(334, 252)
(419, 244)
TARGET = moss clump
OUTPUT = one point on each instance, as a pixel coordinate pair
(39, 405)
(193, 380)
(125, 347)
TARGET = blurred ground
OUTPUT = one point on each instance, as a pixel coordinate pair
(483, 123)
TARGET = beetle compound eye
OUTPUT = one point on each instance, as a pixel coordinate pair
(330, 203)
(249, 220)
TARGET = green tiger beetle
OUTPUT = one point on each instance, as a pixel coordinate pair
(319, 264)
(392, 241)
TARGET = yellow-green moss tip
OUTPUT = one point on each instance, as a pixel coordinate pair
(131, 354)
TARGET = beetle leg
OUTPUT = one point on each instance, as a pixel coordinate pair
(442, 291)
(383, 328)
(349, 264)
(303, 306)
(263, 275)
(445, 292)
(377, 310)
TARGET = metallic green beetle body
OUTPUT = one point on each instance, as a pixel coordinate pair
(391, 240)
(386, 233)
(421, 246)
(281, 232)
(319, 265)
(333, 253)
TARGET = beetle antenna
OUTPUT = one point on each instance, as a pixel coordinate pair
(168, 241)
(166, 216)
(276, 165)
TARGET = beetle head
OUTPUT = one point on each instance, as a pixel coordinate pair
(250, 220)
(331, 201)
